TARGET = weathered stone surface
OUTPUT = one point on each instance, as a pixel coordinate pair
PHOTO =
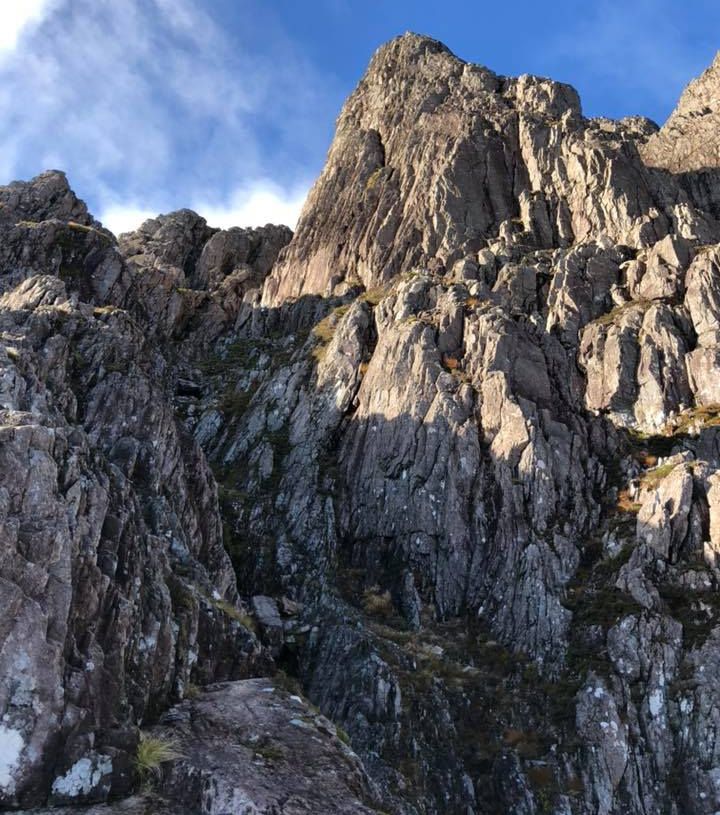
(664, 514)
(250, 747)
(689, 139)
(609, 356)
(664, 270)
(189, 279)
(46, 197)
(582, 289)
(116, 586)
(459, 438)
(434, 157)
(247, 747)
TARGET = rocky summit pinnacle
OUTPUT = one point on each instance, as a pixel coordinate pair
(415, 510)
(690, 141)
(434, 156)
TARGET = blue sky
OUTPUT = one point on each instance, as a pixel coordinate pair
(228, 106)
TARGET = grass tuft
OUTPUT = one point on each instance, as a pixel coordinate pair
(378, 603)
(652, 478)
(374, 296)
(152, 753)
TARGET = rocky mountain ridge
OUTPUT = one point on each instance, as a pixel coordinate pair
(444, 462)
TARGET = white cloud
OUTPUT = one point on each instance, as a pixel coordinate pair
(150, 105)
(119, 218)
(255, 204)
(16, 16)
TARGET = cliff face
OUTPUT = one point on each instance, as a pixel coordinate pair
(688, 141)
(459, 437)
(433, 157)
(115, 583)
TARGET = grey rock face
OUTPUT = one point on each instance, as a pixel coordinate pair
(434, 157)
(688, 141)
(46, 197)
(189, 279)
(116, 589)
(459, 438)
(510, 343)
(247, 747)
(250, 747)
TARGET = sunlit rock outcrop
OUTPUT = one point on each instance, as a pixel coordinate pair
(444, 463)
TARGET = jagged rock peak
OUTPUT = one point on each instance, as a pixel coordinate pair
(435, 159)
(411, 45)
(475, 513)
(46, 196)
(400, 58)
(690, 139)
(182, 246)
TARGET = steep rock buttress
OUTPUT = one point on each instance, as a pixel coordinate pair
(459, 437)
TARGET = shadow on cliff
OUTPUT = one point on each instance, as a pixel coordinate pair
(434, 517)
(419, 550)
